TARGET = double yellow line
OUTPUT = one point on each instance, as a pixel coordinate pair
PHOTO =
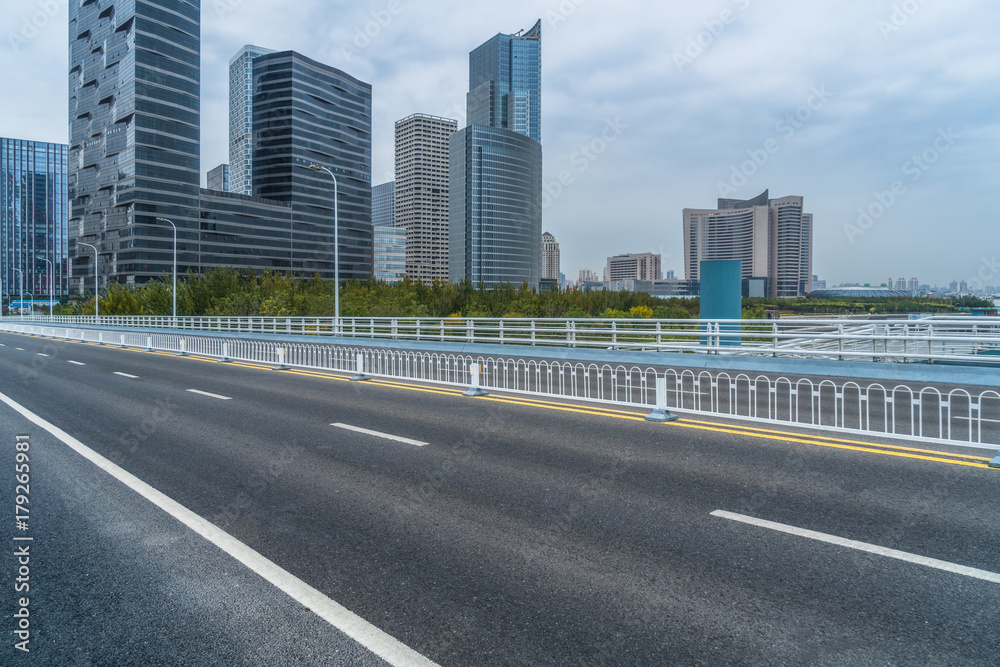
(729, 429)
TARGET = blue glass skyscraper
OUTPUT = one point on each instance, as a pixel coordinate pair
(505, 83)
(495, 166)
(33, 208)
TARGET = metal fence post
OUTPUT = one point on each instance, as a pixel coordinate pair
(661, 414)
(183, 352)
(224, 359)
(359, 373)
(474, 388)
(281, 361)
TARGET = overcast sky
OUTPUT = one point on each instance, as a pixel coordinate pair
(649, 107)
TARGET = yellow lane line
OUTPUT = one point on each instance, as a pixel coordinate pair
(848, 442)
(837, 446)
(748, 431)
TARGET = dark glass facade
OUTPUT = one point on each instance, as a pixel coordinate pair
(134, 132)
(305, 113)
(495, 194)
(33, 218)
(134, 91)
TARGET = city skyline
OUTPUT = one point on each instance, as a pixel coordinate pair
(680, 102)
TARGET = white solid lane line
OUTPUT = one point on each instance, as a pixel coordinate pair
(375, 640)
(863, 546)
(377, 434)
(205, 393)
(126, 375)
(76, 363)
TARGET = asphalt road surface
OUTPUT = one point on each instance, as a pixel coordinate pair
(491, 531)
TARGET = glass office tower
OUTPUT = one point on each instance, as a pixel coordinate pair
(505, 83)
(33, 219)
(495, 167)
(390, 254)
(306, 113)
(134, 99)
(241, 119)
(384, 205)
(134, 133)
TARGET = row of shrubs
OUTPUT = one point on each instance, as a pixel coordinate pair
(236, 292)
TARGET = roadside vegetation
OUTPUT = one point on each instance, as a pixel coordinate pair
(235, 292)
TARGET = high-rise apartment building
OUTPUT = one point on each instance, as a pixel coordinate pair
(495, 182)
(772, 238)
(633, 266)
(33, 218)
(241, 119)
(422, 193)
(134, 155)
(384, 205)
(550, 257)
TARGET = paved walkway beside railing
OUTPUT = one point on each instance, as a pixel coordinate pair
(957, 416)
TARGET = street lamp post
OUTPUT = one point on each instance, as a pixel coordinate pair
(52, 275)
(97, 300)
(20, 306)
(336, 249)
(175, 266)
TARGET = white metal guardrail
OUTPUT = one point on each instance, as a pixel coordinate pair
(962, 339)
(923, 414)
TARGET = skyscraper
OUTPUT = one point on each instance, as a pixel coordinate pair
(134, 156)
(390, 254)
(218, 178)
(495, 180)
(384, 205)
(772, 238)
(422, 193)
(241, 119)
(305, 112)
(550, 257)
(505, 83)
(33, 218)
(135, 72)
